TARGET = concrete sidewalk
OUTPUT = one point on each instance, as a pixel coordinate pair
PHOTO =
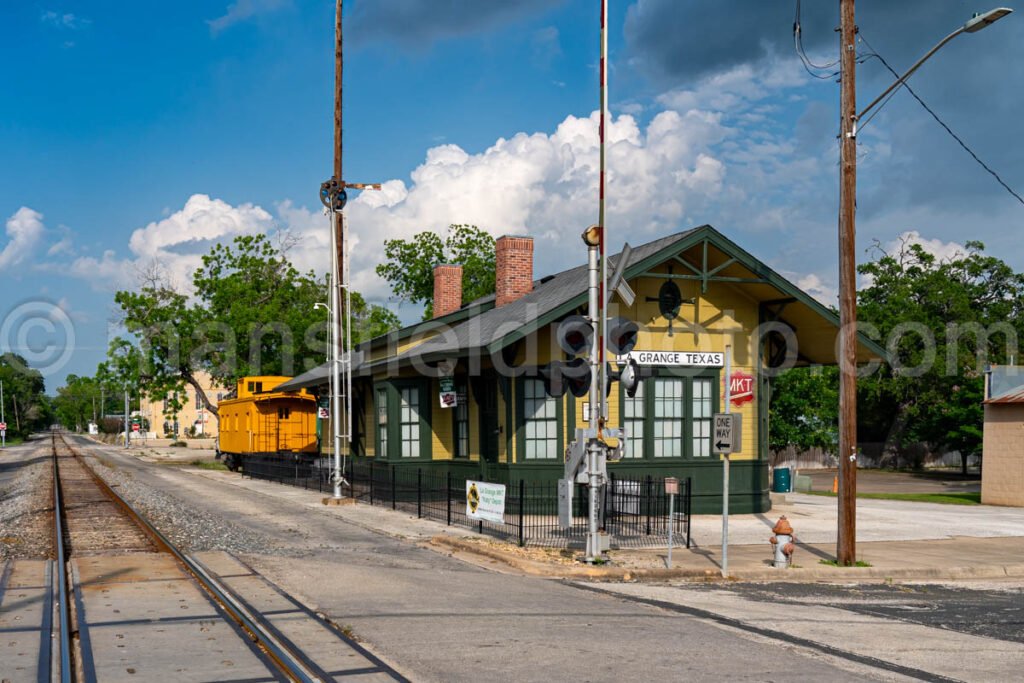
(900, 540)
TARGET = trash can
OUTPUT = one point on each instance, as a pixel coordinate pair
(782, 482)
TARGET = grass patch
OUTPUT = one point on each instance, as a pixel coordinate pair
(945, 498)
(834, 563)
(209, 465)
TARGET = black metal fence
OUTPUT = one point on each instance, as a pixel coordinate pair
(634, 511)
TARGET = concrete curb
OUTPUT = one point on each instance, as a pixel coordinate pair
(797, 575)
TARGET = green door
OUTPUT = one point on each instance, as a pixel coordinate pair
(486, 395)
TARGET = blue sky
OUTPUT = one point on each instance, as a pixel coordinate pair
(134, 132)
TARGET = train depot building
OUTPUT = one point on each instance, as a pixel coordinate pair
(467, 391)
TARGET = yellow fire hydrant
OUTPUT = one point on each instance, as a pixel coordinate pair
(783, 543)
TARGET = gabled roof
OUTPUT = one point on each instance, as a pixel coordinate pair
(480, 325)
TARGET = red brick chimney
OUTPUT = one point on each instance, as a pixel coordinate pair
(447, 289)
(513, 272)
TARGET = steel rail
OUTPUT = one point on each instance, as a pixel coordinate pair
(287, 660)
(62, 579)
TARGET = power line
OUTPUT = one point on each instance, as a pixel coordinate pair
(937, 119)
(809, 66)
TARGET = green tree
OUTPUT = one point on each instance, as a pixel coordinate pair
(77, 402)
(409, 264)
(26, 407)
(943, 320)
(252, 312)
(805, 409)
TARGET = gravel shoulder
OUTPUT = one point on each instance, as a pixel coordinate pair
(26, 501)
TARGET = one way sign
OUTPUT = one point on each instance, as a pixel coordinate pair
(727, 433)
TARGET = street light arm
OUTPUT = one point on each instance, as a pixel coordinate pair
(976, 23)
(903, 79)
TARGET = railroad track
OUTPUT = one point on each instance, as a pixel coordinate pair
(121, 602)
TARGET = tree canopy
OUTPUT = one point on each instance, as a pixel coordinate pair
(409, 264)
(942, 320)
(251, 313)
(25, 405)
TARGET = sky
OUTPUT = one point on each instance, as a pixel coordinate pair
(133, 133)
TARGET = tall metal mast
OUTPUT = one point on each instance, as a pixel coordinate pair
(334, 197)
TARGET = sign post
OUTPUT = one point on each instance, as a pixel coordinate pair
(671, 488)
(3, 419)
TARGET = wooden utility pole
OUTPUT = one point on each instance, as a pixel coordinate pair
(846, 546)
(339, 65)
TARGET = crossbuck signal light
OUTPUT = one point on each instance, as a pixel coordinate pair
(575, 335)
(561, 376)
(622, 335)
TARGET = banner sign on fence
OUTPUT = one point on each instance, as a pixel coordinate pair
(485, 501)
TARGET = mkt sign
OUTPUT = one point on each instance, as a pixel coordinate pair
(741, 388)
(485, 502)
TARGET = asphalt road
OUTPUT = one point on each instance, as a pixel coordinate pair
(436, 618)
(989, 612)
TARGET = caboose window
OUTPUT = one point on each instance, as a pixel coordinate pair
(409, 420)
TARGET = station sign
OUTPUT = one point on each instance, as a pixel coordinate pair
(448, 397)
(693, 359)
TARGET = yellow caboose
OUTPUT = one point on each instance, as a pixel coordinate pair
(258, 419)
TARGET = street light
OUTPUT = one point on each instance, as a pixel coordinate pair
(846, 545)
(978, 22)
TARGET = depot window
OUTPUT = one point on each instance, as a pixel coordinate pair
(461, 421)
(409, 421)
(382, 422)
(670, 416)
(541, 419)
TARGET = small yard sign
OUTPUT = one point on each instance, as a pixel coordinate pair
(485, 501)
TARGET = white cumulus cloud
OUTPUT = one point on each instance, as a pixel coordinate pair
(25, 230)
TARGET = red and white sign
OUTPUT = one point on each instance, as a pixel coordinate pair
(741, 388)
(136, 427)
(3, 426)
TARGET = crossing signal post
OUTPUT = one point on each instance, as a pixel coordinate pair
(585, 371)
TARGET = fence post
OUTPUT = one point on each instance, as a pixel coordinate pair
(394, 495)
(448, 495)
(650, 503)
(419, 493)
(522, 504)
(372, 463)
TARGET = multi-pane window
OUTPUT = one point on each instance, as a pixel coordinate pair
(461, 422)
(700, 417)
(409, 422)
(540, 422)
(633, 420)
(382, 423)
(668, 417)
(199, 401)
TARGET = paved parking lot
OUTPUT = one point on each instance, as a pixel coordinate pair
(885, 481)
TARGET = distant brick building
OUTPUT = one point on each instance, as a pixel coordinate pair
(1002, 463)
(193, 418)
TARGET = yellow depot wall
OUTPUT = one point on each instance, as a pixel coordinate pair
(724, 315)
